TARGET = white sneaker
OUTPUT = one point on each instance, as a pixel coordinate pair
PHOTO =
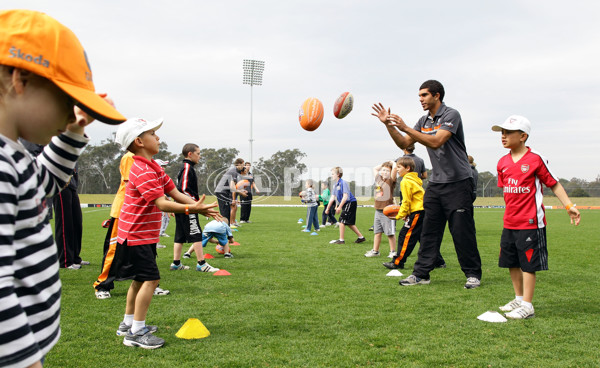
(165, 235)
(372, 253)
(102, 294)
(522, 312)
(160, 291)
(206, 268)
(510, 306)
(159, 246)
(392, 255)
(187, 255)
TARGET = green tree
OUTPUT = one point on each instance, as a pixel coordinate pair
(99, 168)
(276, 167)
(212, 165)
(579, 192)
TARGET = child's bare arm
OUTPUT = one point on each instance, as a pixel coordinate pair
(394, 173)
(192, 206)
(562, 196)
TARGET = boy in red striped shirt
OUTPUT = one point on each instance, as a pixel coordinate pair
(523, 249)
(139, 226)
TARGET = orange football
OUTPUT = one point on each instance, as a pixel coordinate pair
(343, 105)
(311, 114)
(242, 184)
(391, 210)
(220, 249)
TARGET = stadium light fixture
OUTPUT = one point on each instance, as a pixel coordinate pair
(253, 73)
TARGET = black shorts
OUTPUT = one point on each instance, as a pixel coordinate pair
(187, 228)
(348, 215)
(525, 249)
(137, 262)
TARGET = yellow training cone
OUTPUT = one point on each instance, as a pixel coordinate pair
(192, 329)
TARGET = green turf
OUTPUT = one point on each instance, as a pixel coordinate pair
(293, 300)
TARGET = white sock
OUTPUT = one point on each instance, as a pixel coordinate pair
(137, 325)
(519, 298)
(128, 319)
(526, 304)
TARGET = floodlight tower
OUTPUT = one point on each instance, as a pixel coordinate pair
(253, 72)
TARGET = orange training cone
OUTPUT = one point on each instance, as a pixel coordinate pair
(221, 273)
(235, 243)
(208, 256)
(192, 329)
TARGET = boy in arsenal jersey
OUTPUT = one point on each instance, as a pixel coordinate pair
(523, 250)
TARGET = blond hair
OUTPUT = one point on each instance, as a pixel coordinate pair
(338, 170)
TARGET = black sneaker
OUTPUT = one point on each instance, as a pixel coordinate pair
(338, 241)
(371, 228)
(144, 339)
(360, 240)
(443, 265)
(227, 255)
(393, 266)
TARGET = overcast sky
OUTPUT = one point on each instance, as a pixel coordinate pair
(182, 60)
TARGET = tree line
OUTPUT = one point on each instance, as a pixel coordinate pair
(99, 172)
(99, 167)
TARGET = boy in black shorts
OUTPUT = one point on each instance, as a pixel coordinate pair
(139, 227)
(523, 248)
(187, 227)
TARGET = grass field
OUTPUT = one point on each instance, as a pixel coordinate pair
(293, 300)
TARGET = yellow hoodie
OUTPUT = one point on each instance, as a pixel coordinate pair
(412, 190)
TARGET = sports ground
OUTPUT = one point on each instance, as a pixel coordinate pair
(294, 300)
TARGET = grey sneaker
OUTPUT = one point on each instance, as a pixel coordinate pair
(228, 255)
(144, 339)
(510, 306)
(180, 266)
(414, 280)
(522, 312)
(338, 241)
(123, 328)
(472, 283)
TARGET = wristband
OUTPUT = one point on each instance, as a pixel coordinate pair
(187, 209)
(569, 206)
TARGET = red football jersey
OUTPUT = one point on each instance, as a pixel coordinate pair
(522, 182)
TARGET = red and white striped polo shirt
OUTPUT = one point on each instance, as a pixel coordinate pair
(140, 219)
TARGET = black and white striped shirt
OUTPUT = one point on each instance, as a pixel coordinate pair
(29, 283)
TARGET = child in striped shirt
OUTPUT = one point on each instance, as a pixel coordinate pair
(44, 73)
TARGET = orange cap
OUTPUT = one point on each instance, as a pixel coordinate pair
(38, 43)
